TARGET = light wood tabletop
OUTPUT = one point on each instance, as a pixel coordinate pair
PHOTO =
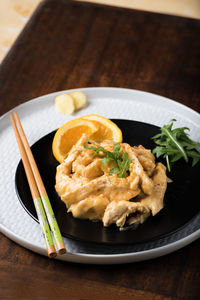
(14, 14)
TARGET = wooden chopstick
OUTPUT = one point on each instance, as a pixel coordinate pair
(37, 189)
(35, 195)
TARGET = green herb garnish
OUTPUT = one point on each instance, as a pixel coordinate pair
(120, 158)
(174, 144)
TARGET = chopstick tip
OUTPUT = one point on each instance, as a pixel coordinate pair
(61, 248)
(51, 252)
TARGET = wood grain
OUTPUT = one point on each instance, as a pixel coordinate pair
(68, 45)
(102, 46)
(26, 275)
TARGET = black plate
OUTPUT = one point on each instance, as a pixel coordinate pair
(181, 199)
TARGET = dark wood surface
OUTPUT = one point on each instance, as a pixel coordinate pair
(71, 45)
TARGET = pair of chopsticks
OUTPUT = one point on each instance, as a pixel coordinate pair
(40, 198)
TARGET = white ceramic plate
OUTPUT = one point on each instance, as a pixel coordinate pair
(38, 118)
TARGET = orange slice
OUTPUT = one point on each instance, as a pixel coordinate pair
(106, 129)
(68, 135)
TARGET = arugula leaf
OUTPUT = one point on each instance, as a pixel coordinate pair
(120, 158)
(174, 144)
(113, 171)
(98, 149)
(124, 165)
(116, 151)
(106, 159)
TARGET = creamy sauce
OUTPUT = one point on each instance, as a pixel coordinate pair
(89, 192)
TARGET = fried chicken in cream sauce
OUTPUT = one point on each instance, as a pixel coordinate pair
(90, 192)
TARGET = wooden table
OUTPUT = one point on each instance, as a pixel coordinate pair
(69, 45)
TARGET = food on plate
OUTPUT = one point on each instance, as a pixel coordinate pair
(111, 181)
(67, 104)
(174, 144)
(64, 104)
(68, 134)
(106, 129)
(79, 98)
(95, 126)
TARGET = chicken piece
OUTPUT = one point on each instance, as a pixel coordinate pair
(146, 158)
(155, 201)
(90, 208)
(118, 211)
(91, 171)
(136, 167)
